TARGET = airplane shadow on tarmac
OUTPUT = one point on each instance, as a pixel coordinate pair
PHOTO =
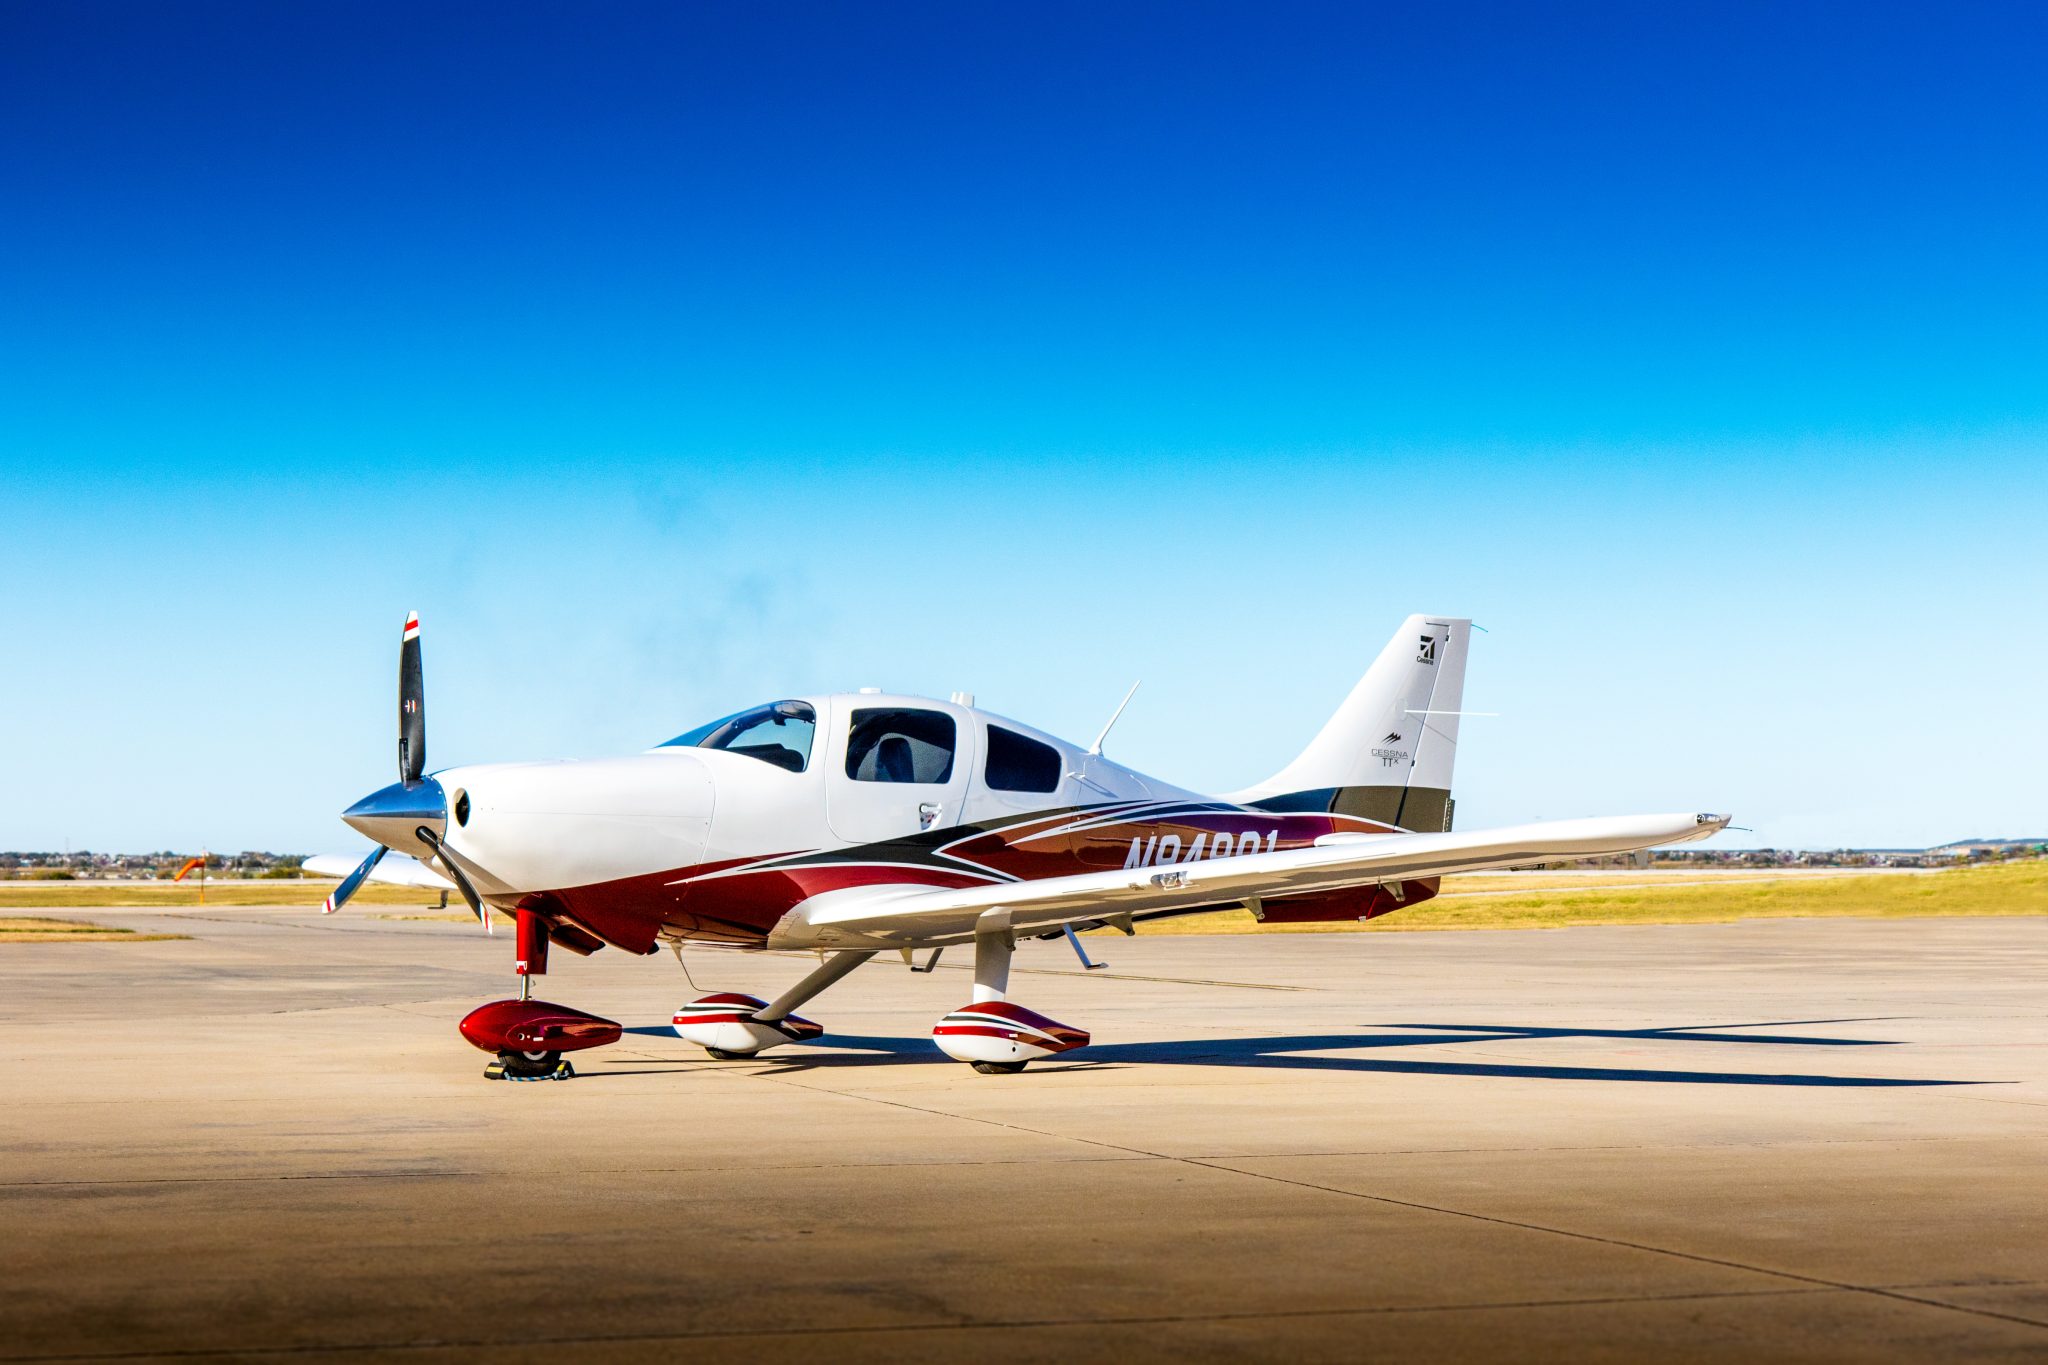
(1309, 1052)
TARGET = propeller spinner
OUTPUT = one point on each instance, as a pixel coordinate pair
(414, 806)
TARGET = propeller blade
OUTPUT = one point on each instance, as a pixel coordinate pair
(476, 905)
(412, 705)
(353, 881)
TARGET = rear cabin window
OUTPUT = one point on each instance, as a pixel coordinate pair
(900, 746)
(1017, 763)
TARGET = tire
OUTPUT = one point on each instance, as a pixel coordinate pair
(525, 1066)
(999, 1068)
(719, 1054)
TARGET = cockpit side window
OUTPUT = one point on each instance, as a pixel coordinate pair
(888, 745)
(1018, 763)
(779, 733)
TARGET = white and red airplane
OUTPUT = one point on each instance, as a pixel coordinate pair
(865, 822)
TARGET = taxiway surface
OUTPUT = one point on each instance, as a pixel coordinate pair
(1773, 1140)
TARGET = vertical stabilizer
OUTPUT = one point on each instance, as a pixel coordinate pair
(1388, 753)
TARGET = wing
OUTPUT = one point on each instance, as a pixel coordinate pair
(396, 868)
(903, 916)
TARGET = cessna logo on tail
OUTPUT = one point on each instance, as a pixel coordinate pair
(1428, 654)
(1166, 848)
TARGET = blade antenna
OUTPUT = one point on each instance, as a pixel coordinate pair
(1096, 747)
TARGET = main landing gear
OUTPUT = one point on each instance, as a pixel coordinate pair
(990, 1033)
(529, 1036)
(730, 1025)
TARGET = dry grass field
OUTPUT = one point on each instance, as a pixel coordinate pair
(1512, 903)
(41, 929)
(103, 895)
(1477, 902)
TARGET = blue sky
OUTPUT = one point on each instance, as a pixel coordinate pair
(670, 358)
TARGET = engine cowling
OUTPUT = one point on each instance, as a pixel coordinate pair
(536, 1026)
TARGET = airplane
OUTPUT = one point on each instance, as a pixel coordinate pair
(868, 822)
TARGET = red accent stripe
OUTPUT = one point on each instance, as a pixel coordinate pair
(1009, 1036)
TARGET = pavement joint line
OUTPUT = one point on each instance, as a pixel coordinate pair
(275, 922)
(1587, 1147)
(1972, 1283)
(1817, 1280)
(1535, 1057)
(1011, 1324)
(395, 1005)
(1483, 1217)
(480, 1174)
(245, 1179)
(1993, 1099)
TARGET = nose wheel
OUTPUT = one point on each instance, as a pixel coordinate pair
(529, 1066)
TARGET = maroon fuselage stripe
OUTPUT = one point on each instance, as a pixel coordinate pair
(738, 901)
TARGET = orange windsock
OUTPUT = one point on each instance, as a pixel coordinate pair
(190, 863)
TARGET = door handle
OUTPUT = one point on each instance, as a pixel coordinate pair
(928, 814)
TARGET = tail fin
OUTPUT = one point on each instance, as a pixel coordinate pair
(1387, 753)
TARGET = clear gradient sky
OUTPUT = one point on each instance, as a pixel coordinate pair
(669, 358)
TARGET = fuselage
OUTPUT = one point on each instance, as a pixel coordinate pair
(720, 833)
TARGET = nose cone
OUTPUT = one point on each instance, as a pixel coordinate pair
(391, 815)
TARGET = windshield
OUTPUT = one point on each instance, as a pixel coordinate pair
(778, 733)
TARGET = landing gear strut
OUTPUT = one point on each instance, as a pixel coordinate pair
(730, 1025)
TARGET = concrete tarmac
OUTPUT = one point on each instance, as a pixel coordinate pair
(1797, 1140)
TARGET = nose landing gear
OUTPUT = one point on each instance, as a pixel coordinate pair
(529, 1036)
